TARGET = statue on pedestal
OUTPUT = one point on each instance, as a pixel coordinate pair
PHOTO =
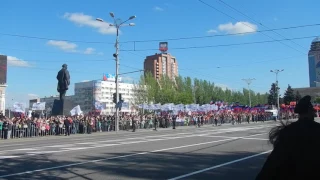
(63, 78)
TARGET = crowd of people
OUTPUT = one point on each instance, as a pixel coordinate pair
(22, 126)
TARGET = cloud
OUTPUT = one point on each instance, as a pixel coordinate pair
(86, 20)
(71, 47)
(85, 81)
(89, 51)
(212, 31)
(157, 8)
(14, 61)
(63, 45)
(238, 27)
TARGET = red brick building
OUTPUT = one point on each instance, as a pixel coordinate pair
(160, 65)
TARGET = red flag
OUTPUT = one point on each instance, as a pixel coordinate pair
(105, 77)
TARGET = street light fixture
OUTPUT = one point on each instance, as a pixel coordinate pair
(99, 19)
(249, 81)
(117, 23)
(132, 17)
(111, 14)
(277, 71)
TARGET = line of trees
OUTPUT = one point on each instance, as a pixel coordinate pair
(187, 91)
(289, 95)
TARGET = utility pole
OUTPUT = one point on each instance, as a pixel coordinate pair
(249, 81)
(277, 71)
(194, 94)
(117, 24)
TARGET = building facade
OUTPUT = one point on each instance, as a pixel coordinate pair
(3, 82)
(163, 64)
(49, 101)
(31, 101)
(98, 96)
(311, 91)
(314, 63)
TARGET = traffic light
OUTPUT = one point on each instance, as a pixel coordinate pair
(120, 97)
(115, 98)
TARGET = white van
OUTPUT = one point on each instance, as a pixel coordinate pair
(272, 109)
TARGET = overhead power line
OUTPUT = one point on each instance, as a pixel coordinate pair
(246, 63)
(248, 25)
(165, 39)
(256, 21)
(227, 45)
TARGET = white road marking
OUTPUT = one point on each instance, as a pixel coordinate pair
(26, 149)
(10, 145)
(41, 152)
(116, 157)
(262, 139)
(87, 143)
(6, 157)
(218, 166)
(247, 137)
(62, 145)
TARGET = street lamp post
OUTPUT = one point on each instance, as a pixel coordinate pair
(277, 71)
(194, 94)
(249, 81)
(117, 24)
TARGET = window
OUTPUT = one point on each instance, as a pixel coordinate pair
(164, 65)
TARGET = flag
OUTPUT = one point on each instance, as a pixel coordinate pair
(105, 77)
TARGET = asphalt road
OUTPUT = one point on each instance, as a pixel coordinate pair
(223, 152)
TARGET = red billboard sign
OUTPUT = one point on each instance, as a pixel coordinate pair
(163, 46)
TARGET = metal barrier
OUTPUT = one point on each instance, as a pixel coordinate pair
(77, 127)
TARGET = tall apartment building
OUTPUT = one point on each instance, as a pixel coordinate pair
(3, 82)
(314, 63)
(160, 65)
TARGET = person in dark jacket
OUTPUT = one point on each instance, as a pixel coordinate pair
(67, 126)
(174, 119)
(296, 153)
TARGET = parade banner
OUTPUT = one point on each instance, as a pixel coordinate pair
(100, 105)
(125, 106)
(39, 106)
(76, 111)
(18, 107)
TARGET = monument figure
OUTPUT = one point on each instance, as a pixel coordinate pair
(63, 78)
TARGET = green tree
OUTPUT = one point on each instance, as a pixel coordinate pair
(289, 96)
(317, 100)
(273, 94)
(184, 90)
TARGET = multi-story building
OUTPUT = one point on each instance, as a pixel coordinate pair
(98, 95)
(314, 63)
(163, 64)
(3, 82)
(49, 101)
(32, 101)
